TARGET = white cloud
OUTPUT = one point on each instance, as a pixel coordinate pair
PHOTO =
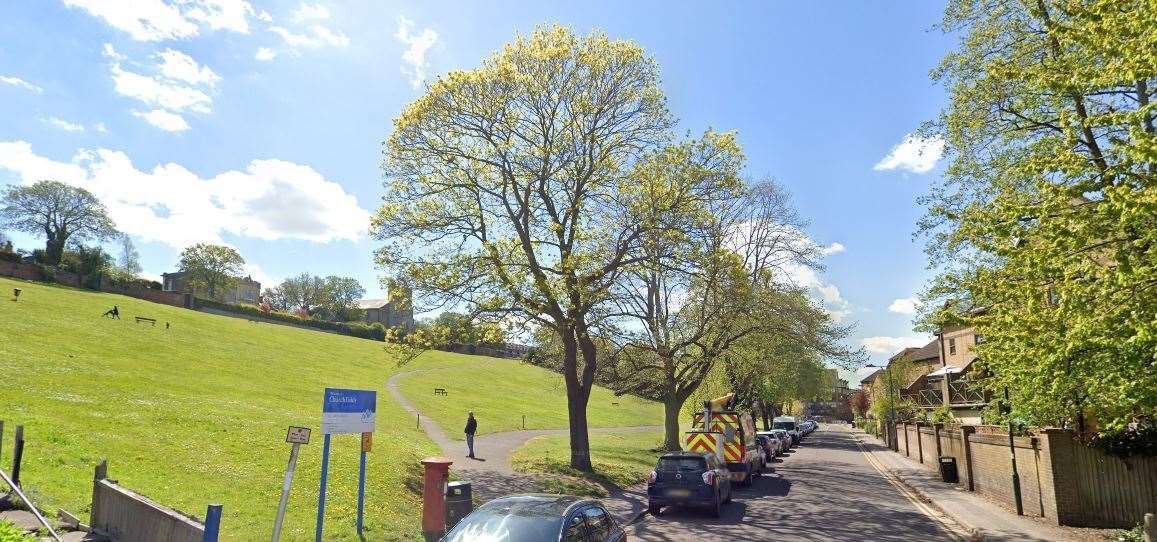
(181, 67)
(258, 274)
(169, 122)
(265, 54)
(414, 57)
(57, 122)
(915, 154)
(891, 345)
(834, 248)
(157, 92)
(18, 82)
(157, 20)
(100, 127)
(310, 11)
(264, 16)
(109, 52)
(269, 200)
(143, 20)
(315, 36)
(905, 305)
(222, 14)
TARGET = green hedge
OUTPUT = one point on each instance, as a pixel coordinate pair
(374, 331)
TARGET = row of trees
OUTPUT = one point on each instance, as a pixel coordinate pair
(329, 298)
(1046, 217)
(546, 187)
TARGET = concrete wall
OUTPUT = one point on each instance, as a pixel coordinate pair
(126, 516)
(1061, 479)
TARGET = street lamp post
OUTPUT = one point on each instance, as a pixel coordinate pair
(891, 404)
(1012, 452)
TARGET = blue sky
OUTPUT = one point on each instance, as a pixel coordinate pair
(258, 124)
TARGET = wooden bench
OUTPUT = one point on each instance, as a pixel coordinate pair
(439, 391)
(149, 320)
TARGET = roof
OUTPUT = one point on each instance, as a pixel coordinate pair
(872, 377)
(536, 504)
(928, 352)
(375, 303)
(684, 453)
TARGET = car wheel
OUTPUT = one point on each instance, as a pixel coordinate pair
(654, 509)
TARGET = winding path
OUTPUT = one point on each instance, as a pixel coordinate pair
(492, 474)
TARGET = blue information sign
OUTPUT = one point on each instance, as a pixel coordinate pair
(348, 411)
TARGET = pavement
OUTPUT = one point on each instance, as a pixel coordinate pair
(490, 471)
(824, 489)
(982, 518)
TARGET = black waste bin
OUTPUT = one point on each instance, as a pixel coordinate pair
(948, 469)
(459, 503)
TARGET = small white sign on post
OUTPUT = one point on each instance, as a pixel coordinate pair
(297, 435)
(348, 411)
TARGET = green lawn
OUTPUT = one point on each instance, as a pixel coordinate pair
(198, 413)
(501, 392)
(621, 459)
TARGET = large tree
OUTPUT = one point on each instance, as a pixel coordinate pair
(513, 190)
(130, 259)
(59, 212)
(211, 268)
(1047, 211)
(719, 283)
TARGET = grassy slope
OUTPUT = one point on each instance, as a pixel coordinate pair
(622, 459)
(197, 414)
(499, 403)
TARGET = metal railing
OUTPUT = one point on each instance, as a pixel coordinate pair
(964, 392)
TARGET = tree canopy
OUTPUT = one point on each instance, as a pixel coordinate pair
(60, 212)
(212, 268)
(1046, 218)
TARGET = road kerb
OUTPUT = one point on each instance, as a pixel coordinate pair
(922, 501)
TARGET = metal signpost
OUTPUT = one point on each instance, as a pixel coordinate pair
(345, 411)
(296, 436)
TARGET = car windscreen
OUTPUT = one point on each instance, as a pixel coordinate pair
(787, 426)
(501, 526)
(681, 463)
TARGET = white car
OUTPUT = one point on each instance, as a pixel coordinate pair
(788, 423)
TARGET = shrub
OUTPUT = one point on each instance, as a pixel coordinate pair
(12, 533)
(11, 257)
(375, 331)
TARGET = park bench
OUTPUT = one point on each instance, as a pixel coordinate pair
(152, 321)
(439, 391)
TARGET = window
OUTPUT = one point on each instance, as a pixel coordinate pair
(575, 530)
(951, 346)
(598, 522)
(680, 463)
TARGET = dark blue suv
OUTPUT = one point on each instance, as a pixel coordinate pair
(691, 479)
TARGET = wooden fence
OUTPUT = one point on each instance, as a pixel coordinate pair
(1061, 479)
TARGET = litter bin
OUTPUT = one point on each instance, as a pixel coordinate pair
(948, 469)
(459, 503)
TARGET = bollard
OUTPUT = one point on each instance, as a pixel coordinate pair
(17, 454)
(212, 523)
(437, 475)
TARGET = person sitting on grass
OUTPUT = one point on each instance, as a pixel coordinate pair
(114, 312)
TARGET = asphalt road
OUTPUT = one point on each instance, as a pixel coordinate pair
(825, 489)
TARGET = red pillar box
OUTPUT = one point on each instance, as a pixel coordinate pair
(434, 496)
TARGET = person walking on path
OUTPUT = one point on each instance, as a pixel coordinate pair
(471, 428)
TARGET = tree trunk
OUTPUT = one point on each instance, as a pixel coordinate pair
(54, 251)
(577, 396)
(672, 405)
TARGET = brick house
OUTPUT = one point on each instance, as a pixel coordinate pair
(246, 290)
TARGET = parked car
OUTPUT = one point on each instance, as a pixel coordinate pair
(770, 445)
(784, 439)
(787, 423)
(690, 479)
(538, 518)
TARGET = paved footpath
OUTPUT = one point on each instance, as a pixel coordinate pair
(826, 489)
(491, 474)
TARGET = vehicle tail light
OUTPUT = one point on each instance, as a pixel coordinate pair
(709, 478)
(654, 477)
